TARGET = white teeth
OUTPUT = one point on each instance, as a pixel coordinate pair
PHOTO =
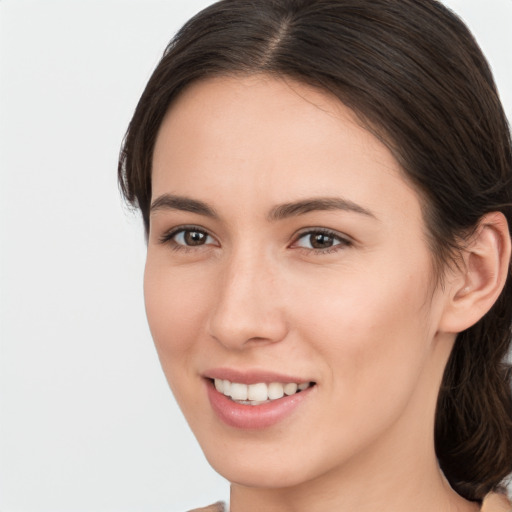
(238, 391)
(276, 390)
(226, 387)
(290, 388)
(256, 394)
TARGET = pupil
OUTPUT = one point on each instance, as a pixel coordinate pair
(321, 241)
(194, 238)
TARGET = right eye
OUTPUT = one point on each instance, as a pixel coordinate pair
(187, 238)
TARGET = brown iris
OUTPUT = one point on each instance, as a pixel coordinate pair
(194, 237)
(321, 241)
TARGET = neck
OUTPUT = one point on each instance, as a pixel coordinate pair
(413, 486)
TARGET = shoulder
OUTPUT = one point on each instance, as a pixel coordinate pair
(492, 503)
(496, 503)
(216, 507)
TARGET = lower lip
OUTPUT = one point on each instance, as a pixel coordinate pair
(254, 416)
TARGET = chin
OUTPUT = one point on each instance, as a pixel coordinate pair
(258, 474)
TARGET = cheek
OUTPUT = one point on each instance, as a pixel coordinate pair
(177, 303)
(372, 328)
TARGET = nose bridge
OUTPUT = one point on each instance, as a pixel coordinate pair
(248, 304)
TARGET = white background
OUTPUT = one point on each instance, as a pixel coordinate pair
(86, 420)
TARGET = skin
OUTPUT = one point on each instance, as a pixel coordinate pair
(363, 319)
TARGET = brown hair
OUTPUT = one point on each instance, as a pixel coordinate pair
(416, 77)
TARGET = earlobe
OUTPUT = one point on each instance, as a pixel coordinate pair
(480, 277)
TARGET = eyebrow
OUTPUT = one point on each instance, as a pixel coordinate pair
(279, 212)
(292, 209)
(182, 203)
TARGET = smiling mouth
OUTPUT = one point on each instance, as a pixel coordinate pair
(259, 393)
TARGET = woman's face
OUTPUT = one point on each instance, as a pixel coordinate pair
(286, 248)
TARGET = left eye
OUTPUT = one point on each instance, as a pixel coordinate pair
(192, 238)
(319, 240)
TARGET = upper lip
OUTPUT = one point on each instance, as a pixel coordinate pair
(251, 376)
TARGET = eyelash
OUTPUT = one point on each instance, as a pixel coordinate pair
(169, 238)
(343, 242)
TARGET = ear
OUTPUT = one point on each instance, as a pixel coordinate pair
(476, 284)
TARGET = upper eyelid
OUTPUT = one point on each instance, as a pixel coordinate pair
(170, 233)
(326, 231)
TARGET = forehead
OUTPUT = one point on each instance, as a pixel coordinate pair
(270, 140)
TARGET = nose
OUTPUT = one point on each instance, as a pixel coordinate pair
(249, 308)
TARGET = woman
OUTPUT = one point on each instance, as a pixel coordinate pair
(326, 191)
